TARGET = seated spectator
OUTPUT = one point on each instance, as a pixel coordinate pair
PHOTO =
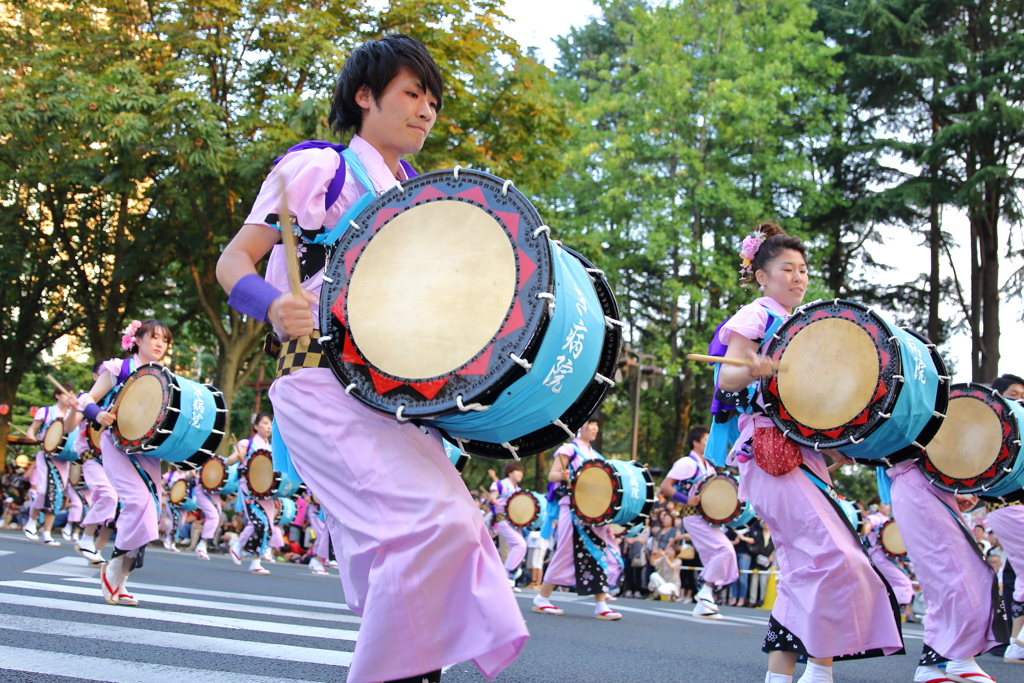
(665, 581)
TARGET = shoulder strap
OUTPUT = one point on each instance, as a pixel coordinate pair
(126, 370)
(410, 173)
(338, 182)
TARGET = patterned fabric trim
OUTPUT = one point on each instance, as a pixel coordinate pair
(292, 359)
(930, 657)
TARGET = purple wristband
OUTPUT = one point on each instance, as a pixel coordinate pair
(91, 411)
(252, 296)
(680, 497)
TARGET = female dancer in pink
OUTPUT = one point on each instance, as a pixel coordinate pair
(682, 484)
(585, 556)
(50, 475)
(831, 602)
(98, 523)
(260, 533)
(135, 478)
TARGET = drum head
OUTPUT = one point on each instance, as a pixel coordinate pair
(178, 492)
(431, 289)
(139, 406)
(892, 540)
(74, 473)
(53, 435)
(719, 498)
(593, 492)
(212, 473)
(522, 509)
(821, 357)
(261, 472)
(969, 440)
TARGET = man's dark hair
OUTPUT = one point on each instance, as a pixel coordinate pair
(375, 64)
(1001, 384)
(696, 434)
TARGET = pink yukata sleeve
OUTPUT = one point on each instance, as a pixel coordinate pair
(683, 469)
(750, 321)
(306, 175)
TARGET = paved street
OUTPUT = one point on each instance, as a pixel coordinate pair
(213, 622)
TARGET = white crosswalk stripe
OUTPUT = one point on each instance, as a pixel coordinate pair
(175, 635)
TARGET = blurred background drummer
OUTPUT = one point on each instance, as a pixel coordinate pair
(683, 484)
(50, 476)
(576, 556)
(499, 493)
(1007, 521)
(902, 586)
(136, 478)
(258, 535)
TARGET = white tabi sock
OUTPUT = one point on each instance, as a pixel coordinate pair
(254, 565)
(777, 678)
(31, 525)
(600, 607)
(86, 543)
(201, 546)
(706, 592)
(816, 673)
(540, 601)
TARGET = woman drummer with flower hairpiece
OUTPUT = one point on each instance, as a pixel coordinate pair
(135, 478)
(832, 603)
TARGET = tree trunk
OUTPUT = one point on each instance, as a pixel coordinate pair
(934, 282)
(988, 238)
(238, 356)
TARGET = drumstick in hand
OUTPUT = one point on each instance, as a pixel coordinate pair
(290, 258)
(60, 387)
(718, 359)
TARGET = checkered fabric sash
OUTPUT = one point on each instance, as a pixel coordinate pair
(290, 358)
(991, 505)
(688, 511)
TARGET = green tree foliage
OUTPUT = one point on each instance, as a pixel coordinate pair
(697, 117)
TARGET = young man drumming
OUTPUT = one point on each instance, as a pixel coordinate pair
(392, 498)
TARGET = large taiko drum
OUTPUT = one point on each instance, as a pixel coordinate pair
(526, 510)
(57, 443)
(890, 540)
(447, 301)
(720, 502)
(612, 492)
(167, 416)
(179, 494)
(849, 379)
(977, 449)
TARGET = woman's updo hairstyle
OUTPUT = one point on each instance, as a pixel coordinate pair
(147, 328)
(774, 243)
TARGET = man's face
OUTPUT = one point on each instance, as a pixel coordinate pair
(1014, 392)
(399, 121)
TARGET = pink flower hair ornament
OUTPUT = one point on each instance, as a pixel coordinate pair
(748, 250)
(128, 339)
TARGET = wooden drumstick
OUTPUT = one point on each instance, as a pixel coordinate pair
(60, 387)
(14, 426)
(718, 359)
(290, 258)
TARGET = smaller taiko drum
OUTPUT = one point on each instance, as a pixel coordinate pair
(288, 512)
(259, 474)
(720, 500)
(216, 476)
(977, 448)
(179, 494)
(612, 492)
(57, 443)
(890, 540)
(526, 510)
(167, 416)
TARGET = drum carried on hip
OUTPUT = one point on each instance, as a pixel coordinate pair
(167, 416)
(447, 301)
(977, 449)
(890, 540)
(216, 476)
(612, 492)
(56, 443)
(179, 494)
(526, 510)
(852, 513)
(620, 531)
(720, 502)
(849, 379)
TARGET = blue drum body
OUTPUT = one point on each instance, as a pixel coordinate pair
(288, 511)
(900, 402)
(231, 483)
(289, 483)
(852, 513)
(612, 492)
(180, 495)
(456, 456)
(745, 517)
(67, 450)
(167, 416)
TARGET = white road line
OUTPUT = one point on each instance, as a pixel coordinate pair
(180, 641)
(177, 617)
(187, 602)
(67, 566)
(294, 602)
(6, 552)
(114, 671)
